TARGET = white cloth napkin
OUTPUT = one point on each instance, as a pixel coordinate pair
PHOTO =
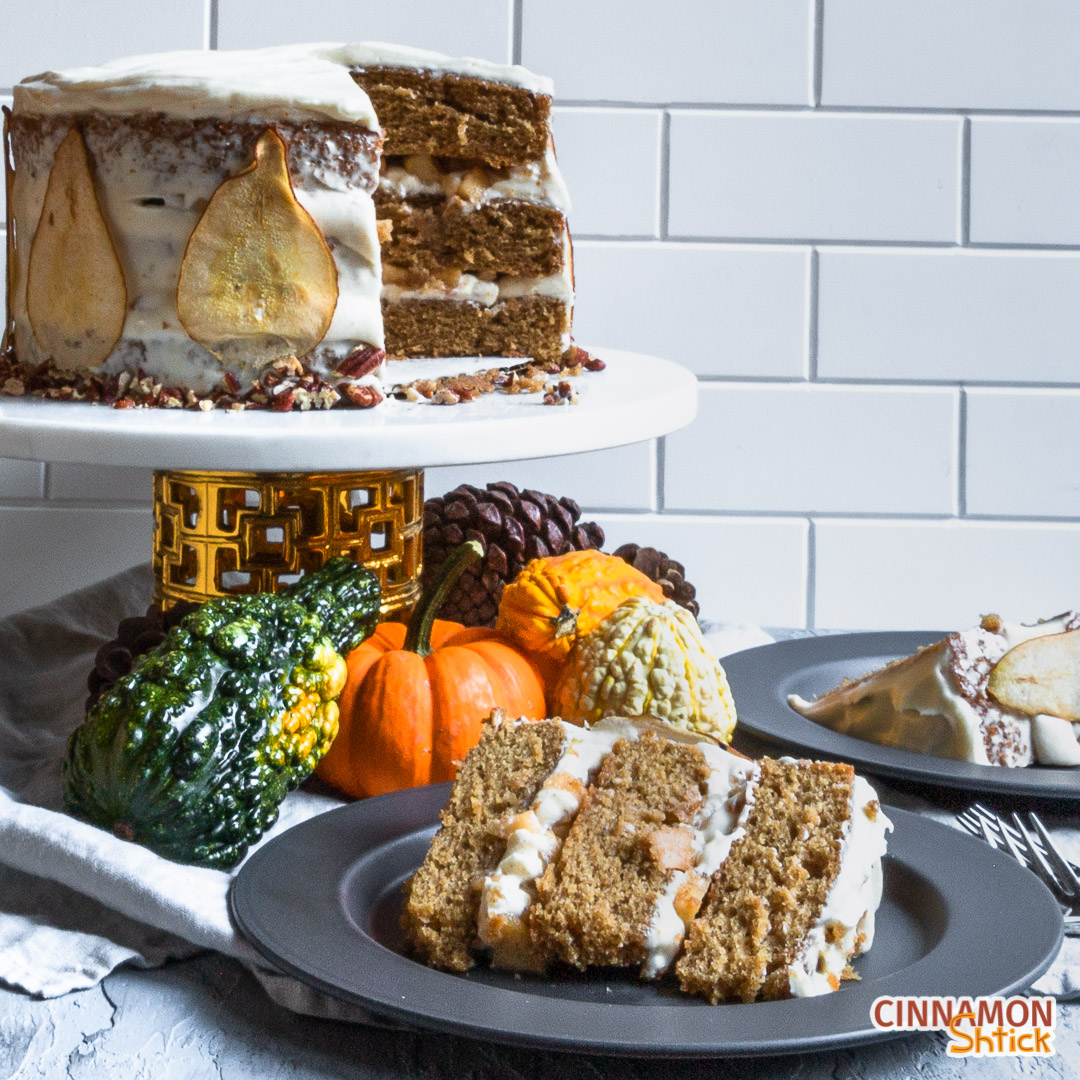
(75, 901)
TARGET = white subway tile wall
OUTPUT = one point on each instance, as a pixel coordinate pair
(778, 176)
(856, 222)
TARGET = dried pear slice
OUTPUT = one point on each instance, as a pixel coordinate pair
(1041, 675)
(258, 281)
(76, 297)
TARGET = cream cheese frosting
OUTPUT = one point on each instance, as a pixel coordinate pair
(917, 704)
(281, 83)
(852, 900)
(362, 54)
(537, 182)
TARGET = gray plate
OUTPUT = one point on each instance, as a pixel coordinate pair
(762, 678)
(322, 902)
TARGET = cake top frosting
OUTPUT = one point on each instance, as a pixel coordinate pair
(361, 54)
(282, 83)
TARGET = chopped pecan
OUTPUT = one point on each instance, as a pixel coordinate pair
(362, 397)
(362, 361)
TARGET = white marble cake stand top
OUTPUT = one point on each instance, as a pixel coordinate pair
(638, 397)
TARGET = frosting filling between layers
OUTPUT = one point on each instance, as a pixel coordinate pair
(846, 922)
(419, 174)
(532, 840)
(719, 822)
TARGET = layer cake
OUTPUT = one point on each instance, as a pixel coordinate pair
(629, 844)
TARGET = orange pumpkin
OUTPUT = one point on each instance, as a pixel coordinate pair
(415, 697)
(555, 601)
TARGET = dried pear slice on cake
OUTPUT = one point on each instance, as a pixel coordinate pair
(76, 298)
(258, 281)
(1040, 676)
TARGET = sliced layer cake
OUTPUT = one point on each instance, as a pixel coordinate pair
(629, 844)
(472, 208)
(998, 694)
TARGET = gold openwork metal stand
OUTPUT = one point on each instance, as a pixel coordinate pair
(229, 533)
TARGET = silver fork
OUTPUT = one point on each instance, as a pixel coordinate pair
(1031, 846)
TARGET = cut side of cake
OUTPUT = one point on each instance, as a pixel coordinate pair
(960, 697)
(629, 844)
(472, 208)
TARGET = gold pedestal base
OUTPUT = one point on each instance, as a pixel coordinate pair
(228, 533)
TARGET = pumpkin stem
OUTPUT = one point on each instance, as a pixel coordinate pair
(566, 621)
(418, 635)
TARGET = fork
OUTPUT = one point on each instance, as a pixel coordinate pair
(1037, 852)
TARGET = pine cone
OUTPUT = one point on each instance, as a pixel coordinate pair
(667, 573)
(134, 636)
(512, 526)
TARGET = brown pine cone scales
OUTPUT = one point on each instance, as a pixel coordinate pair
(667, 573)
(512, 526)
(134, 636)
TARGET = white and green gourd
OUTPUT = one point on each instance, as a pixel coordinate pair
(647, 657)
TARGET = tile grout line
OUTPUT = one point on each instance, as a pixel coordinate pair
(817, 56)
(961, 454)
(516, 15)
(955, 112)
(660, 458)
(827, 242)
(965, 183)
(665, 174)
(813, 292)
(811, 573)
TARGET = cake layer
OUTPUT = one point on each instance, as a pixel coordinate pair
(534, 841)
(529, 325)
(499, 780)
(454, 115)
(596, 902)
(153, 175)
(769, 892)
(505, 236)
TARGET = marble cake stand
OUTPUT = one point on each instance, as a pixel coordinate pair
(245, 502)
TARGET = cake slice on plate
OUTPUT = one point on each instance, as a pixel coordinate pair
(634, 845)
(997, 694)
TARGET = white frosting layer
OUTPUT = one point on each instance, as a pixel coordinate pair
(918, 705)
(537, 182)
(532, 841)
(721, 820)
(283, 83)
(851, 902)
(367, 54)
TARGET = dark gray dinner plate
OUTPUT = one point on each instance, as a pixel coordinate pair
(322, 902)
(762, 678)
